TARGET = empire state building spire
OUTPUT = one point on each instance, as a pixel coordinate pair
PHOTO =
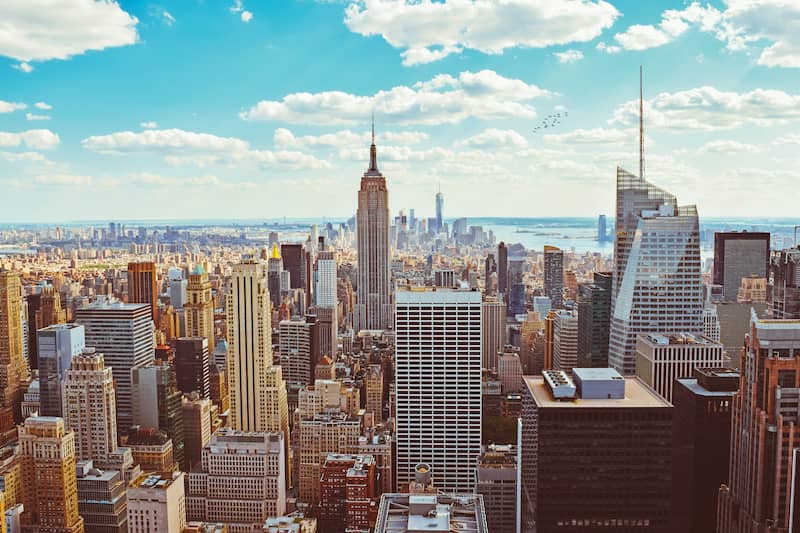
(373, 152)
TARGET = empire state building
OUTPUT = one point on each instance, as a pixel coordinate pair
(373, 308)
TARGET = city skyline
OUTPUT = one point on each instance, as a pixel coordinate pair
(81, 127)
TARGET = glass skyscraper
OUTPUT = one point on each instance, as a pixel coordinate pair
(657, 285)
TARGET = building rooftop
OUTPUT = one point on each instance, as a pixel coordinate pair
(418, 294)
(659, 339)
(637, 395)
(421, 513)
(153, 480)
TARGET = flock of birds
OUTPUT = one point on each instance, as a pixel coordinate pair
(551, 121)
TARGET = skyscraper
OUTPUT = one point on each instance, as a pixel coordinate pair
(373, 299)
(502, 269)
(143, 285)
(297, 262)
(192, 366)
(199, 307)
(49, 311)
(602, 232)
(439, 212)
(157, 502)
(326, 279)
(738, 255)
(596, 453)
(299, 349)
(594, 321)
(274, 272)
(658, 286)
(489, 268)
(438, 385)
(763, 430)
(58, 344)
(90, 409)
(554, 275)
(249, 345)
(493, 335)
(565, 340)
(47, 449)
(123, 333)
(785, 267)
(13, 368)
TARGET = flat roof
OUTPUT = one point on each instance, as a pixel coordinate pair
(637, 395)
(438, 295)
(699, 390)
(596, 374)
(401, 513)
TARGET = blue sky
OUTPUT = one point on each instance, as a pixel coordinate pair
(224, 109)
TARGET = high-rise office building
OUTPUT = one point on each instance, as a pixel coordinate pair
(89, 405)
(333, 431)
(197, 427)
(554, 275)
(249, 346)
(614, 475)
(496, 481)
(657, 285)
(57, 345)
(565, 340)
(763, 430)
(47, 450)
(143, 286)
(489, 268)
(13, 367)
(602, 231)
(509, 370)
(373, 295)
(439, 212)
(102, 499)
(48, 312)
(328, 326)
(241, 481)
(738, 255)
(502, 269)
(326, 279)
(493, 326)
(701, 446)
(299, 342)
(123, 333)
(157, 404)
(192, 366)
(661, 359)
(157, 502)
(438, 384)
(373, 383)
(349, 493)
(178, 288)
(594, 321)
(274, 273)
(785, 268)
(199, 306)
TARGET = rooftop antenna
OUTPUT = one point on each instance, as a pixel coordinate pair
(641, 126)
(373, 127)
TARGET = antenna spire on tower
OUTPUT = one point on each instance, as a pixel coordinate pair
(373, 152)
(373, 127)
(641, 126)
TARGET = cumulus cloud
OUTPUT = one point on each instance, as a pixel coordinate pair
(494, 138)
(710, 109)
(10, 107)
(608, 48)
(187, 147)
(149, 125)
(568, 56)
(284, 138)
(429, 31)
(64, 180)
(13, 157)
(582, 136)
(237, 7)
(443, 99)
(728, 147)
(27, 68)
(37, 139)
(43, 105)
(31, 116)
(39, 30)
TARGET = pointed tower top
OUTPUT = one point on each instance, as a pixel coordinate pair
(641, 126)
(373, 152)
(275, 253)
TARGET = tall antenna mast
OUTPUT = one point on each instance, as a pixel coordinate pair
(373, 127)
(641, 126)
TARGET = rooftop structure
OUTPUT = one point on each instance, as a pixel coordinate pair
(421, 513)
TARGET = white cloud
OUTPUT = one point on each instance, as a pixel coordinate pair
(37, 139)
(43, 105)
(186, 147)
(397, 153)
(709, 109)
(145, 178)
(169, 20)
(38, 30)
(10, 107)
(444, 99)
(591, 136)
(608, 48)
(728, 147)
(494, 138)
(31, 116)
(27, 68)
(284, 138)
(568, 56)
(428, 31)
(237, 7)
(22, 156)
(149, 125)
(65, 180)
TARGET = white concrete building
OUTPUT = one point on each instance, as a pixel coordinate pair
(157, 502)
(438, 384)
(565, 340)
